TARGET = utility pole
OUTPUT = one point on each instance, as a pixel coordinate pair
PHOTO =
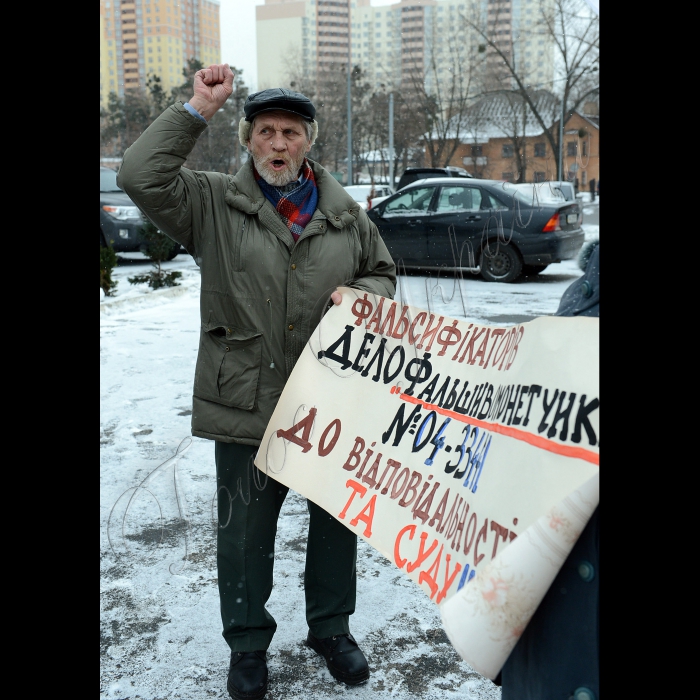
(560, 172)
(349, 116)
(391, 140)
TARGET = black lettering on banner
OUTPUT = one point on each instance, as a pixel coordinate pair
(417, 444)
(390, 377)
(508, 416)
(428, 391)
(417, 377)
(440, 396)
(451, 397)
(401, 426)
(363, 352)
(534, 390)
(582, 420)
(519, 403)
(379, 356)
(487, 403)
(343, 359)
(547, 409)
(562, 416)
(459, 406)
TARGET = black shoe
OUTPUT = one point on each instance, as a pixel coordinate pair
(247, 675)
(344, 658)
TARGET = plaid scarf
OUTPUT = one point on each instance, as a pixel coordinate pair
(295, 202)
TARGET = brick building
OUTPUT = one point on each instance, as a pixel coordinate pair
(490, 152)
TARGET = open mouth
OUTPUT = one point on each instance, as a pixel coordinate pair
(278, 164)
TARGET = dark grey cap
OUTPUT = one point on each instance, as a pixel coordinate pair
(279, 98)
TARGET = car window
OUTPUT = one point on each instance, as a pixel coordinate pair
(456, 199)
(108, 181)
(492, 202)
(414, 201)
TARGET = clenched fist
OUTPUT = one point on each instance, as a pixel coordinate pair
(212, 87)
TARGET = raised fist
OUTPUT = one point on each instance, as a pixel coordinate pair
(212, 87)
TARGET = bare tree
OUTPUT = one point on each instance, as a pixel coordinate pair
(571, 28)
(439, 92)
(506, 113)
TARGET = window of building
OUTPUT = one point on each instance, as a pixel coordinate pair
(540, 149)
(508, 176)
(584, 181)
(584, 148)
(477, 151)
(507, 150)
(571, 148)
(540, 176)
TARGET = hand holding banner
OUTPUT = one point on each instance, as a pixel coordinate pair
(457, 450)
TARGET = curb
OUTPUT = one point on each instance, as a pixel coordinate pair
(144, 300)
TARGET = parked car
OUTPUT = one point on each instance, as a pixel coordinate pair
(412, 174)
(120, 219)
(435, 223)
(361, 193)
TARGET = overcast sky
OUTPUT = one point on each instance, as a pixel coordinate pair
(238, 45)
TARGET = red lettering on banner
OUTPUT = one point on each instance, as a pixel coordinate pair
(357, 488)
(377, 318)
(422, 554)
(367, 516)
(363, 311)
(305, 424)
(397, 557)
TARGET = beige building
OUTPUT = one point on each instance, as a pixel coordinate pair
(394, 43)
(154, 37)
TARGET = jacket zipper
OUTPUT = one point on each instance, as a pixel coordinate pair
(272, 363)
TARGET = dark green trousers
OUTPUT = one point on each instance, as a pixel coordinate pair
(249, 504)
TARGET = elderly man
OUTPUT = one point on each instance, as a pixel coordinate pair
(273, 242)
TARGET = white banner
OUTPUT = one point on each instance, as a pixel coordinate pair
(466, 454)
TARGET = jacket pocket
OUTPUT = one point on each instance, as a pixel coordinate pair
(228, 365)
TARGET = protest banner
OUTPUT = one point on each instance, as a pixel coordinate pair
(467, 454)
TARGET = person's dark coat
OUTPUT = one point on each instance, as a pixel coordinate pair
(557, 656)
(262, 293)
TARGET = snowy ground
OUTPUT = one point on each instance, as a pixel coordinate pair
(159, 613)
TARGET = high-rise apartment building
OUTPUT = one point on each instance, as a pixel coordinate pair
(139, 38)
(396, 43)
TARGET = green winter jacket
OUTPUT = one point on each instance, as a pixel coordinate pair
(262, 294)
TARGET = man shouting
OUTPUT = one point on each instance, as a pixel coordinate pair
(273, 243)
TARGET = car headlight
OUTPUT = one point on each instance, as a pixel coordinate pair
(123, 213)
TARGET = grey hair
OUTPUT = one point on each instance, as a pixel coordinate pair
(245, 128)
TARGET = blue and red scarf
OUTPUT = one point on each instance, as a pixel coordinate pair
(296, 205)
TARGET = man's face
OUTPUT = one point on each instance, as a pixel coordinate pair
(278, 144)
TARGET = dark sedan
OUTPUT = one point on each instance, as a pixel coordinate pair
(480, 226)
(120, 218)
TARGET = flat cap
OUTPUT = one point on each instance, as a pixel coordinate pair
(279, 98)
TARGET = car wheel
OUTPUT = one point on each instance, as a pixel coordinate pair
(103, 242)
(500, 262)
(534, 269)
